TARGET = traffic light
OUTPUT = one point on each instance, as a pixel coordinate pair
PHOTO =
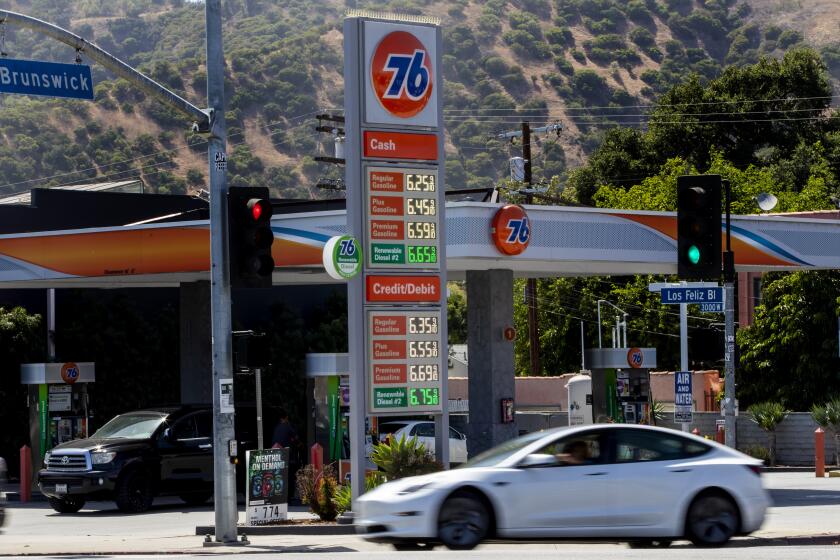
(250, 237)
(698, 227)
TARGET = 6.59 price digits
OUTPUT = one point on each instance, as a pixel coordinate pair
(422, 230)
(423, 349)
(423, 372)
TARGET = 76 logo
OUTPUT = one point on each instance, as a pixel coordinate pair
(347, 248)
(409, 75)
(519, 230)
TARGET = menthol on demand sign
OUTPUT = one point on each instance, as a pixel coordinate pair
(342, 257)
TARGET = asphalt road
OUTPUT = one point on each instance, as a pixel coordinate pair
(803, 505)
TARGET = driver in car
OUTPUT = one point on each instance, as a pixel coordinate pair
(575, 453)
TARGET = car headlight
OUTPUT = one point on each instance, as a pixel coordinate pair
(47, 458)
(102, 457)
(414, 488)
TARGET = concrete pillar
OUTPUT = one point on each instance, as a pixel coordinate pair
(196, 353)
(491, 360)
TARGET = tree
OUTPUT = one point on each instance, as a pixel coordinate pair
(768, 415)
(789, 353)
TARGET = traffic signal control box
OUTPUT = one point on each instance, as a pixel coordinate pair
(699, 227)
(250, 237)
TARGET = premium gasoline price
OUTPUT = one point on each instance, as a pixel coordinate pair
(418, 373)
(423, 349)
(422, 230)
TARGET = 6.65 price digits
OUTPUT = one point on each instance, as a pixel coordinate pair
(423, 349)
(419, 373)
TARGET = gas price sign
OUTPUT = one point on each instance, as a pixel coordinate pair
(403, 218)
(405, 349)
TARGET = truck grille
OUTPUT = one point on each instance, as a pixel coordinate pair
(68, 462)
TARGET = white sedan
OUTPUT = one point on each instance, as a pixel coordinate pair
(641, 484)
(424, 431)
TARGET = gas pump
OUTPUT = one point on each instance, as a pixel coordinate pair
(621, 383)
(59, 404)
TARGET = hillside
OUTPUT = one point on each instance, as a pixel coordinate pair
(585, 63)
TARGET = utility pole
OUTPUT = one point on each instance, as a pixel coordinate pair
(729, 348)
(531, 283)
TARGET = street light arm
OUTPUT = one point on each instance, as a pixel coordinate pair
(112, 63)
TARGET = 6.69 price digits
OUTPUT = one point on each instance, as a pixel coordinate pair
(423, 372)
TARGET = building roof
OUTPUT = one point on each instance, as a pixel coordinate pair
(131, 186)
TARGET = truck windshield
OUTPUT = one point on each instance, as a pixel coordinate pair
(130, 426)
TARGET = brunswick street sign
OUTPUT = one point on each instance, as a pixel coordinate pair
(51, 79)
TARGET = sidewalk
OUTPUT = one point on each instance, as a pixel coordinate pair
(805, 512)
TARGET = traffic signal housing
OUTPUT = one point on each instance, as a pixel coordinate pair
(698, 227)
(250, 237)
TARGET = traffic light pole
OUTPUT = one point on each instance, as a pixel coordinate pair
(224, 438)
(729, 349)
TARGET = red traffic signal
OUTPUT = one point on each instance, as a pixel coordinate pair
(250, 237)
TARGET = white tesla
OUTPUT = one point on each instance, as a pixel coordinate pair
(644, 485)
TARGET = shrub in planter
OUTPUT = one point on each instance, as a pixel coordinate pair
(399, 458)
(318, 491)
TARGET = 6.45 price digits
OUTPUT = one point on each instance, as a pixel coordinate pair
(423, 325)
(423, 372)
(421, 206)
(423, 349)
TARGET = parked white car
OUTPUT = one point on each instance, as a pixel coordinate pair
(640, 484)
(425, 433)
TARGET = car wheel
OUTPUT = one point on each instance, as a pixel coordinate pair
(712, 520)
(196, 498)
(134, 492)
(649, 543)
(66, 505)
(463, 521)
(407, 546)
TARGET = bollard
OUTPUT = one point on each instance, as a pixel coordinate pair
(695, 431)
(316, 458)
(720, 435)
(25, 474)
(819, 452)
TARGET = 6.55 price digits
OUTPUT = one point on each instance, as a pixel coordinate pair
(423, 372)
(423, 349)
(423, 325)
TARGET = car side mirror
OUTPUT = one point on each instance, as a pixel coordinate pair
(536, 460)
(167, 435)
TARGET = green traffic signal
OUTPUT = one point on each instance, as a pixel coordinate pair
(694, 254)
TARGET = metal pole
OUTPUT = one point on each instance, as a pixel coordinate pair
(729, 350)
(599, 325)
(582, 349)
(258, 378)
(224, 479)
(624, 322)
(533, 325)
(51, 325)
(684, 346)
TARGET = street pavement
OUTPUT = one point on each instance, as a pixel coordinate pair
(803, 506)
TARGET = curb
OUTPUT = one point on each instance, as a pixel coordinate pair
(291, 529)
(796, 469)
(805, 540)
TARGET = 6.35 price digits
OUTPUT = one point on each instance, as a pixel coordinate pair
(423, 325)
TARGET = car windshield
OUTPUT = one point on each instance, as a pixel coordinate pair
(130, 426)
(494, 456)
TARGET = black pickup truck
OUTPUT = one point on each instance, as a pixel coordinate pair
(133, 458)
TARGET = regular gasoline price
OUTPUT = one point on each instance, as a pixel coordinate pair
(423, 349)
(421, 206)
(423, 372)
(419, 183)
(422, 230)
(422, 325)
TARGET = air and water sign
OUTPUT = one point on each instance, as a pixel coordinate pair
(690, 295)
(683, 399)
(51, 79)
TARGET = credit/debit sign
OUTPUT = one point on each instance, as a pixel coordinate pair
(409, 289)
(691, 295)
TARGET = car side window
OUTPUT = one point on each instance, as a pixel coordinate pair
(184, 429)
(454, 434)
(578, 449)
(634, 446)
(425, 429)
(204, 425)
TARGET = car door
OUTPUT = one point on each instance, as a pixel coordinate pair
(564, 498)
(457, 446)
(650, 471)
(186, 455)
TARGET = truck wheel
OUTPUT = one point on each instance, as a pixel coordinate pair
(196, 498)
(134, 492)
(66, 505)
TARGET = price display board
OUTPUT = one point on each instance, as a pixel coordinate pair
(402, 218)
(405, 351)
